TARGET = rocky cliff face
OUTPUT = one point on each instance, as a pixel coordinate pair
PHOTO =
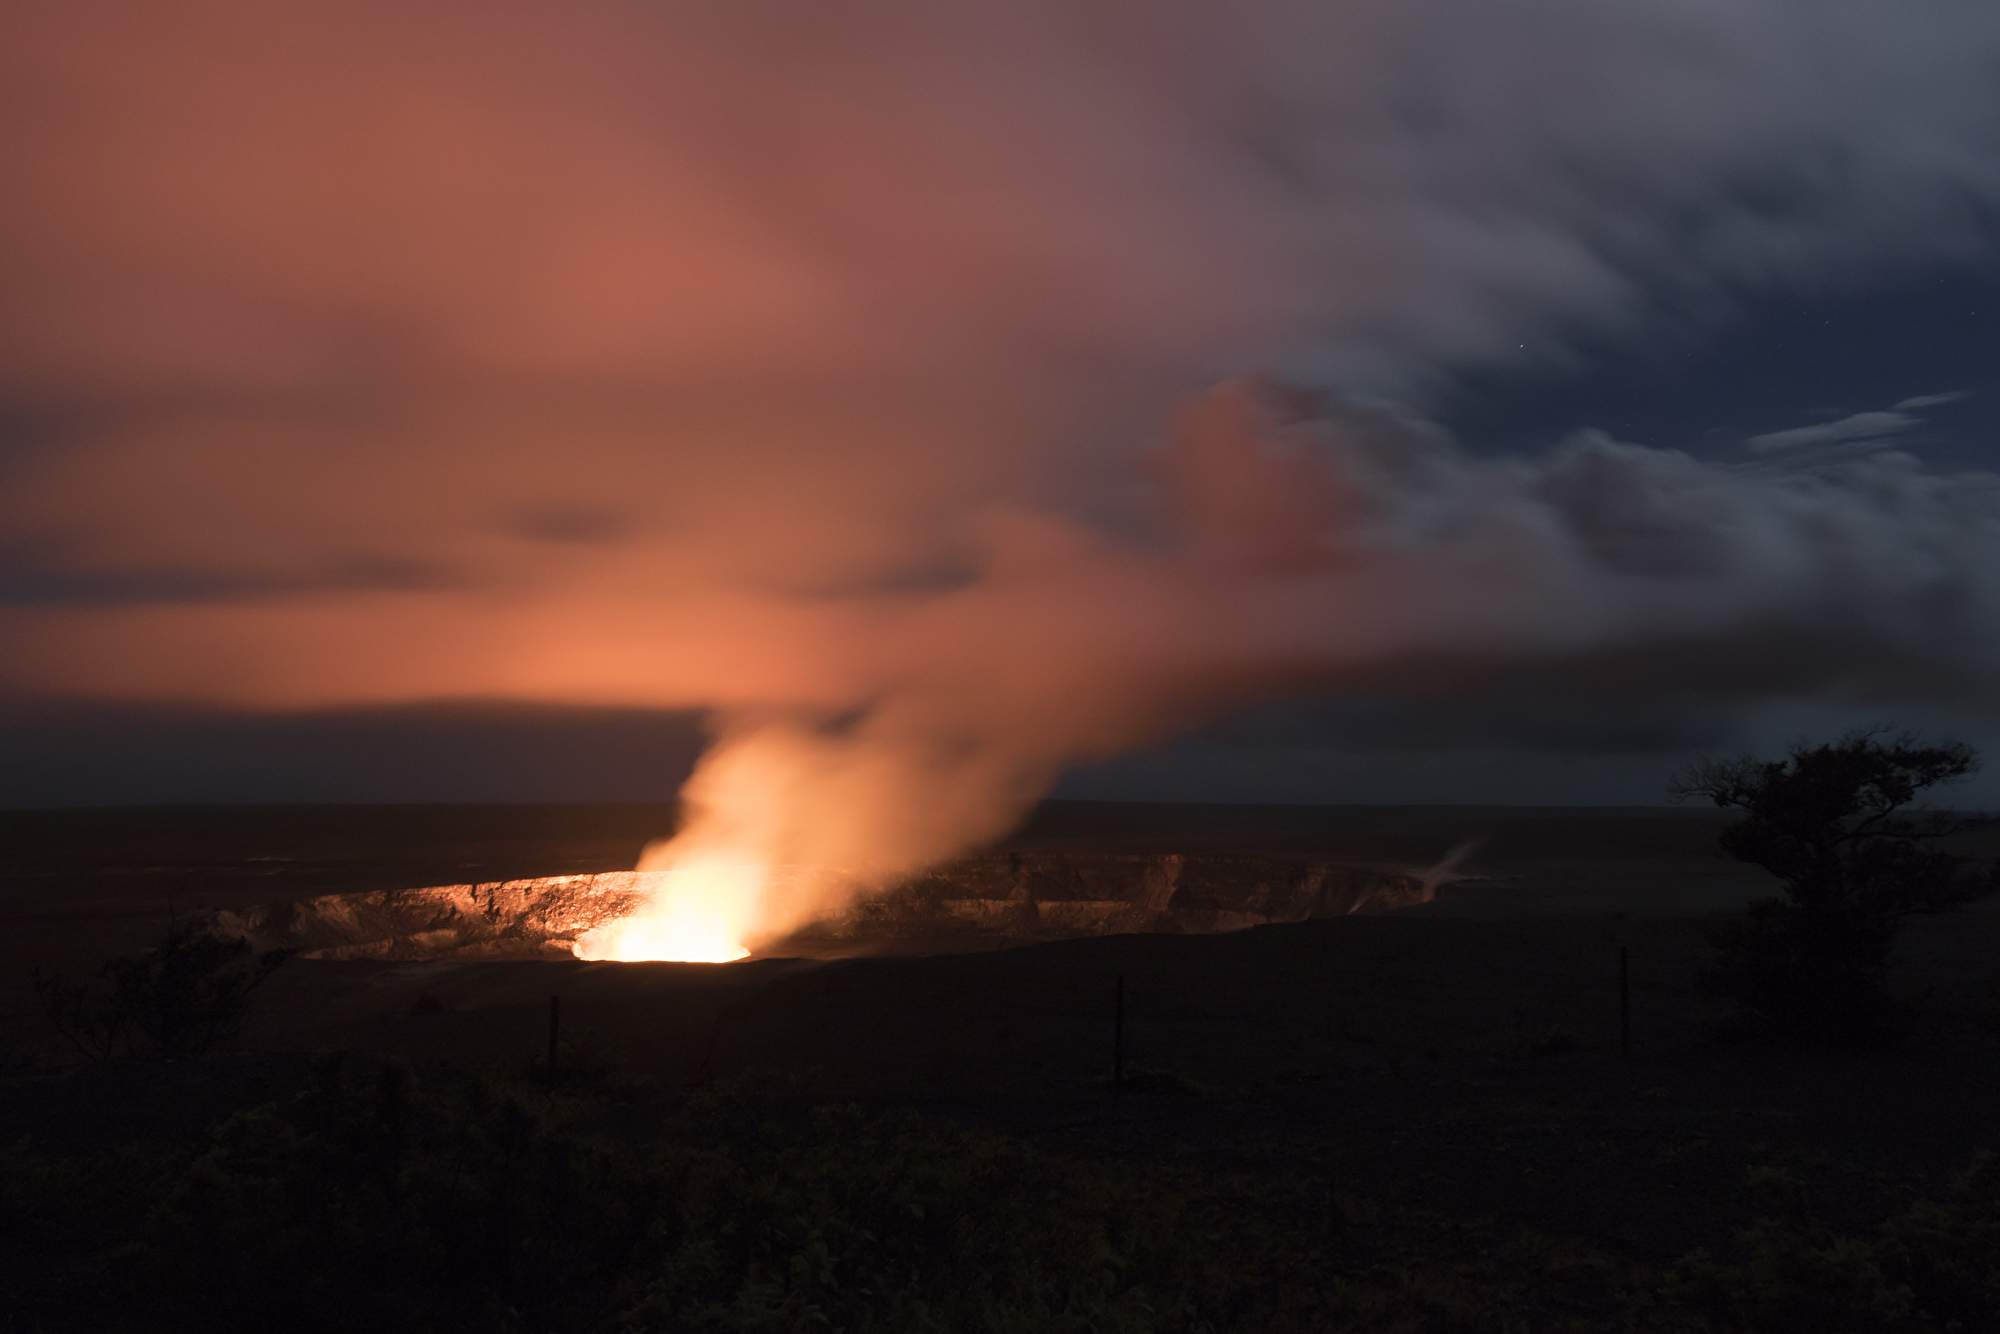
(1051, 895)
(1023, 895)
(512, 919)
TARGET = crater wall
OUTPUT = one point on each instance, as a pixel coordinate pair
(1007, 896)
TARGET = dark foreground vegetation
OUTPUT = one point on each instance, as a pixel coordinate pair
(372, 1200)
(181, 997)
(1835, 823)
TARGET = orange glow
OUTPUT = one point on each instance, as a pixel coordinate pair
(699, 914)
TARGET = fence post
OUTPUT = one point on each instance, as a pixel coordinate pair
(555, 1011)
(1118, 1039)
(1624, 1000)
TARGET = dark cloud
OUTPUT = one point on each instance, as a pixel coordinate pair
(127, 754)
(32, 579)
(1529, 716)
(572, 523)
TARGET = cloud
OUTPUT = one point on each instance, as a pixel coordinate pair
(94, 753)
(1854, 435)
(1859, 426)
(320, 198)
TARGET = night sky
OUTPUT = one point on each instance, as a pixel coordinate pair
(497, 402)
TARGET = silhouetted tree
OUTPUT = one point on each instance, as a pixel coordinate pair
(184, 995)
(1834, 822)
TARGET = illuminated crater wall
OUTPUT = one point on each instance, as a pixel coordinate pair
(1015, 896)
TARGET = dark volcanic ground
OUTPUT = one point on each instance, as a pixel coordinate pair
(1459, 1058)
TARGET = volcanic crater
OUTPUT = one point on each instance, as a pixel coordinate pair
(995, 897)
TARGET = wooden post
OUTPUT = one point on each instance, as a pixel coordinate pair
(555, 1013)
(1624, 1000)
(1118, 1039)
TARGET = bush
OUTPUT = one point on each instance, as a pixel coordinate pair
(371, 1201)
(1832, 822)
(183, 996)
(1934, 1267)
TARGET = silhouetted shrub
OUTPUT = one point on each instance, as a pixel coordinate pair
(183, 996)
(1831, 822)
(1934, 1267)
(371, 1200)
